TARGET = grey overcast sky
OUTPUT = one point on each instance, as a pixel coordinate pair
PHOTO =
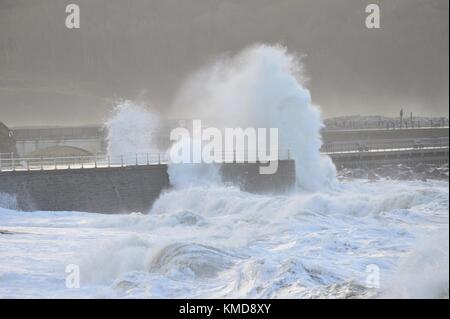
(50, 75)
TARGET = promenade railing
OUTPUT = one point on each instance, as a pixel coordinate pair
(10, 162)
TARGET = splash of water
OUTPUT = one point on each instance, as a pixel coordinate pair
(259, 87)
(262, 87)
(186, 174)
(132, 128)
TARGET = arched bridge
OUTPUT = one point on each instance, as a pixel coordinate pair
(41, 140)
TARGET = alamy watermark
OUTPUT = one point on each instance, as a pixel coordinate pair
(73, 17)
(73, 276)
(234, 145)
(373, 17)
(372, 276)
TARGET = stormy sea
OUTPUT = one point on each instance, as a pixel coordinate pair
(380, 233)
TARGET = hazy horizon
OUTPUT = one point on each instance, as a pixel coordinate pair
(144, 50)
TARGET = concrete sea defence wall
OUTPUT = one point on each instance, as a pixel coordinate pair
(122, 189)
(103, 190)
(135, 188)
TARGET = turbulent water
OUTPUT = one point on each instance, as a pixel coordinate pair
(222, 242)
(328, 238)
